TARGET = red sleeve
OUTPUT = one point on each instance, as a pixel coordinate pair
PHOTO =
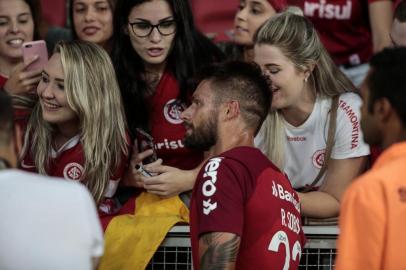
(220, 196)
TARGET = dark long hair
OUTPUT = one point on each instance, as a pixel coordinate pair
(35, 7)
(190, 51)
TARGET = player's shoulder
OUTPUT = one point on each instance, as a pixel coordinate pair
(243, 157)
(245, 154)
(241, 164)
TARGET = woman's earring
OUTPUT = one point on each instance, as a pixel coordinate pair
(306, 79)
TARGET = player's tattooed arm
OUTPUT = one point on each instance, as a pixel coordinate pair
(218, 250)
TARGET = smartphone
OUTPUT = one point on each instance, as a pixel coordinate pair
(145, 142)
(32, 48)
(141, 169)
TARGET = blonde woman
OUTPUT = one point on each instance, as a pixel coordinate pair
(313, 131)
(77, 130)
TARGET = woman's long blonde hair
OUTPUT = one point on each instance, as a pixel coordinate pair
(92, 93)
(296, 37)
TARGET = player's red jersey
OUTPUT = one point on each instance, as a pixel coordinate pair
(343, 26)
(167, 127)
(242, 192)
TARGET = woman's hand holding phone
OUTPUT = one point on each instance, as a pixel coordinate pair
(165, 181)
(22, 80)
(133, 176)
(25, 77)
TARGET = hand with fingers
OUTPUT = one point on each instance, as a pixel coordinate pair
(133, 175)
(168, 181)
(22, 80)
(165, 181)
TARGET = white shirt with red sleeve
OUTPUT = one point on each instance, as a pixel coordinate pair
(306, 144)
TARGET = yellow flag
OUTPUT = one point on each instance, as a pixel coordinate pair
(131, 240)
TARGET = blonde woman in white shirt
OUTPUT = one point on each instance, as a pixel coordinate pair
(313, 131)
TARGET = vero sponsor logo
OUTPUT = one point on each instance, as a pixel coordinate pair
(209, 184)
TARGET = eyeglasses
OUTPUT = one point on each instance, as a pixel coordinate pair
(144, 29)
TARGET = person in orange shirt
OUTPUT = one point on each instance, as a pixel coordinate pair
(373, 211)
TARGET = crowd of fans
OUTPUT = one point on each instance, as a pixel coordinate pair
(121, 66)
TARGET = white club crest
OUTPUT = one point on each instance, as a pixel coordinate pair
(73, 171)
(318, 158)
(172, 110)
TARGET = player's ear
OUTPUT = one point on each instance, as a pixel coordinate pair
(232, 109)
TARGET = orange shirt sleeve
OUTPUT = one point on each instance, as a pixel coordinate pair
(362, 223)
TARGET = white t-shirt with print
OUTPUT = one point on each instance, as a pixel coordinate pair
(306, 144)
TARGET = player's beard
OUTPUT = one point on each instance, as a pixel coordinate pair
(204, 136)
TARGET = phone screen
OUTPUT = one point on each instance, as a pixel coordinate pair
(145, 142)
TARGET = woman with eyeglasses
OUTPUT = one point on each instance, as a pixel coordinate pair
(156, 52)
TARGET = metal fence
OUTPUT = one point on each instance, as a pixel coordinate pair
(319, 252)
